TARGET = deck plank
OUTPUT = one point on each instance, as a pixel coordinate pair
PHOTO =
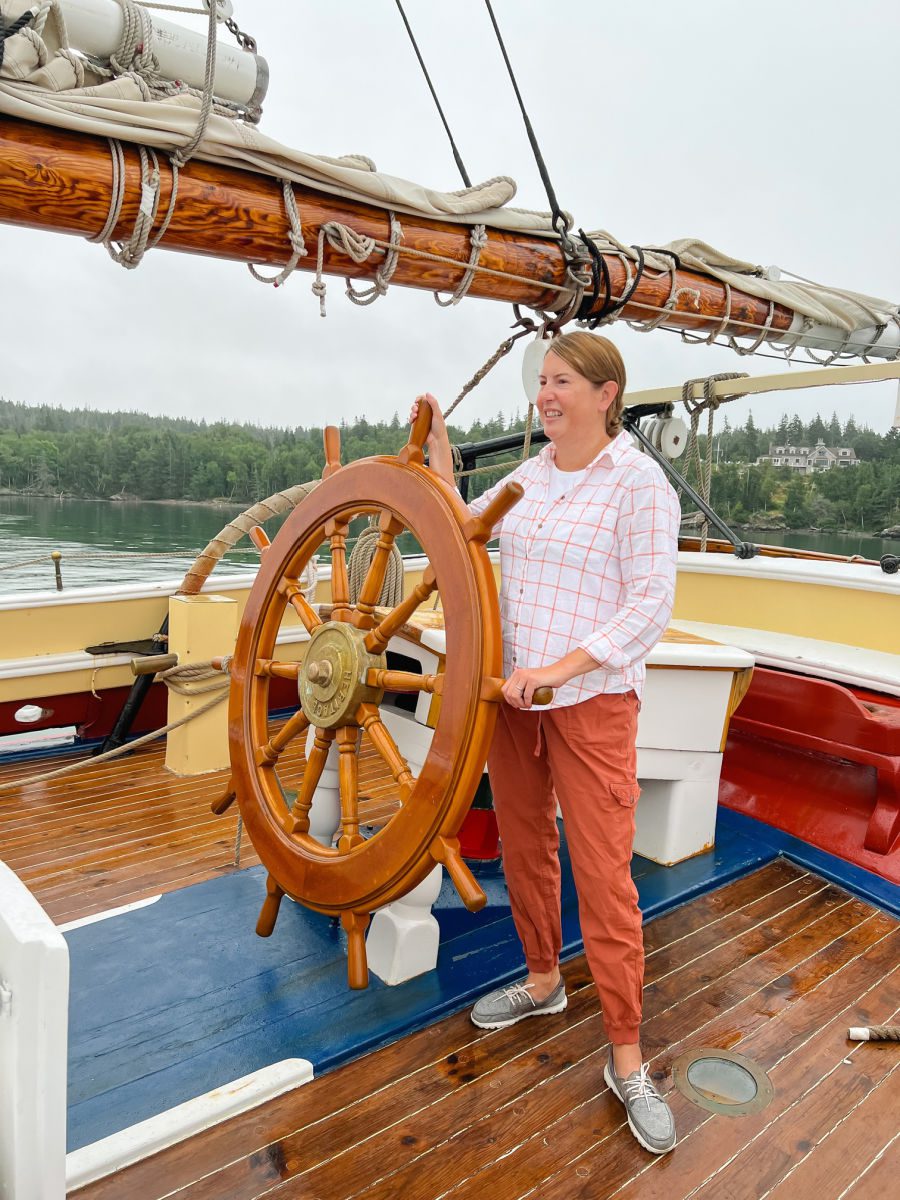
(879, 1178)
(602, 1117)
(835, 1162)
(411, 1060)
(433, 1114)
(120, 831)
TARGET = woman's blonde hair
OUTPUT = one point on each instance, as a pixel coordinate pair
(598, 360)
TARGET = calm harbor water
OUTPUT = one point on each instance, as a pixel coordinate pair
(110, 542)
(106, 542)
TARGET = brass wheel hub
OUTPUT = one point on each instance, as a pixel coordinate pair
(332, 683)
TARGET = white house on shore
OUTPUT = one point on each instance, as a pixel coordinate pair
(808, 460)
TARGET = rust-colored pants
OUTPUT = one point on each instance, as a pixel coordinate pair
(585, 756)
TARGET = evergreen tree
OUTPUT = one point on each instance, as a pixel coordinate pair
(796, 508)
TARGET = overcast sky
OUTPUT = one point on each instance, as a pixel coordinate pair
(764, 129)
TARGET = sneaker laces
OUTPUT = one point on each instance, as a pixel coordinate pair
(520, 991)
(639, 1087)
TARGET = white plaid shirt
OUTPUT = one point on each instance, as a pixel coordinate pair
(595, 569)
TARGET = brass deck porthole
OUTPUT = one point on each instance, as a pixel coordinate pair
(721, 1081)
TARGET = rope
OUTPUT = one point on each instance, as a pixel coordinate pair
(502, 350)
(83, 763)
(459, 162)
(184, 153)
(194, 679)
(710, 402)
(874, 1033)
(360, 560)
(228, 537)
(295, 236)
(478, 240)
(129, 253)
(359, 248)
(560, 223)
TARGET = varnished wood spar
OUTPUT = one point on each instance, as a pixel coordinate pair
(61, 182)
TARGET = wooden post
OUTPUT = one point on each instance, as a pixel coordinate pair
(200, 628)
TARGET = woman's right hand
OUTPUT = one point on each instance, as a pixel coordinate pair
(440, 457)
(438, 432)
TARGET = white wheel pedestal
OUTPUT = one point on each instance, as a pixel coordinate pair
(325, 813)
(403, 938)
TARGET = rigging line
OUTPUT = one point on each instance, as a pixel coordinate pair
(559, 221)
(751, 327)
(459, 162)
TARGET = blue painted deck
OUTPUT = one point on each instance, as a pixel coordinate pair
(172, 1000)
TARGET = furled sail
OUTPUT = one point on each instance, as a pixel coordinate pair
(363, 223)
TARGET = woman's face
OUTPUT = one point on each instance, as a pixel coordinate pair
(572, 409)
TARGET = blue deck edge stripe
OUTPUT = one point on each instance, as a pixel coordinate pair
(862, 883)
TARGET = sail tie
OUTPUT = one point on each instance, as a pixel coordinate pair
(478, 239)
(295, 236)
(358, 247)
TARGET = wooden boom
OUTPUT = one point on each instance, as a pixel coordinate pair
(60, 181)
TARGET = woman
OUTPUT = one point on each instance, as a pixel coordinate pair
(587, 583)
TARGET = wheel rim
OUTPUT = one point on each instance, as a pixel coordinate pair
(373, 872)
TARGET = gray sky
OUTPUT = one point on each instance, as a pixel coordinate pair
(762, 129)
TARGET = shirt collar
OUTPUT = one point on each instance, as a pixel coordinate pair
(615, 451)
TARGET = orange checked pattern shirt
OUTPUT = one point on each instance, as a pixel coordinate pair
(593, 569)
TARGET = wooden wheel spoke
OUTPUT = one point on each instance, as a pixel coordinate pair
(405, 681)
(378, 638)
(332, 439)
(269, 754)
(273, 669)
(348, 772)
(480, 529)
(290, 588)
(413, 451)
(389, 527)
(336, 532)
(298, 822)
(368, 716)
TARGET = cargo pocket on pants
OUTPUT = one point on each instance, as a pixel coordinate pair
(626, 793)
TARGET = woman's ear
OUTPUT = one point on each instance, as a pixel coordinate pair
(607, 394)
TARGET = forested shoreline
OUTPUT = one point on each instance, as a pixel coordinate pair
(86, 454)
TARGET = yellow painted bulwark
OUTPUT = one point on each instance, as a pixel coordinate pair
(852, 617)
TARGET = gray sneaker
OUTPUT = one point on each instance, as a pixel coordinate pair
(649, 1117)
(508, 1005)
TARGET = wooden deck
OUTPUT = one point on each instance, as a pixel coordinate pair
(119, 831)
(775, 966)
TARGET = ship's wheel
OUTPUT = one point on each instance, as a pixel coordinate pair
(341, 683)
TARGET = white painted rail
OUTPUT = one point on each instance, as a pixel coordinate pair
(34, 1000)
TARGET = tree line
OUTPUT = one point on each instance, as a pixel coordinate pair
(863, 497)
(95, 455)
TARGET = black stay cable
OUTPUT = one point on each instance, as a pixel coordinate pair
(559, 221)
(459, 162)
(7, 31)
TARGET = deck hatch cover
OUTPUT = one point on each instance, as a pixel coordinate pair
(721, 1081)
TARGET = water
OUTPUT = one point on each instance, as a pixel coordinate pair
(825, 543)
(108, 542)
(105, 542)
